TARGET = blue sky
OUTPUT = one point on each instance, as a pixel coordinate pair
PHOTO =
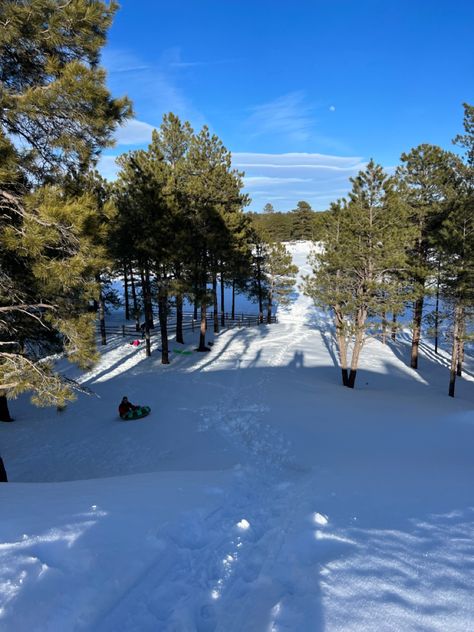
(302, 93)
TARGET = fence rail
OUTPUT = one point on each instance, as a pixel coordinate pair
(191, 324)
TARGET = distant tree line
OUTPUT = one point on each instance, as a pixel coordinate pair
(395, 241)
(302, 223)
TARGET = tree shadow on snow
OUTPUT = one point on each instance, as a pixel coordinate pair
(387, 463)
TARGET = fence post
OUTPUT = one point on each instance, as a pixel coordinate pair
(123, 331)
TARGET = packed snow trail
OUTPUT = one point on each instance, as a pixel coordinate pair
(233, 568)
(259, 496)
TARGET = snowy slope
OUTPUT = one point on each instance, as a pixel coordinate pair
(259, 495)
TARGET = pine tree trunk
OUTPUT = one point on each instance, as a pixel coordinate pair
(136, 311)
(232, 315)
(358, 343)
(437, 307)
(222, 300)
(384, 328)
(460, 353)
(196, 301)
(260, 293)
(460, 358)
(148, 301)
(4, 412)
(125, 292)
(269, 307)
(179, 319)
(147, 322)
(342, 345)
(454, 352)
(101, 303)
(163, 318)
(415, 345)
(202, 331)
(394, 326)
(215, 314)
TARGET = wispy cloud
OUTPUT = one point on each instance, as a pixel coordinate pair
(284, 179)
(295, 122)
(155, 86)
(134, 132)
(289, 115)
(262, 180)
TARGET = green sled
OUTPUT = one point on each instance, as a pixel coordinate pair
(139, 413)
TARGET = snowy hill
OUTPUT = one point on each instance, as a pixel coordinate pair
(259, 495)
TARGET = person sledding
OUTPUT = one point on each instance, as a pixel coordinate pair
(126, 407)
(127, 410)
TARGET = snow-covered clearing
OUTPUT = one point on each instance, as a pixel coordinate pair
(259, 496)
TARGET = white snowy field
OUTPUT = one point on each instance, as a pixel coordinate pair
(259, 495)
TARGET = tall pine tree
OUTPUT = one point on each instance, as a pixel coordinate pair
(54, 103)
(357, 272)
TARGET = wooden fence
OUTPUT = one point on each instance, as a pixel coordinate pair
(191, 324)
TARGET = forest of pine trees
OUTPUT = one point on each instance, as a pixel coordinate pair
(396, 241)
(172, 225)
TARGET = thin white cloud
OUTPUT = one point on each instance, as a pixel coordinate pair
(287, 178)
(296, 160)
(154, 86)
(134, 132)
(262, 180)
(288, 115)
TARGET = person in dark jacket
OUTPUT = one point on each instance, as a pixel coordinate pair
(126, 407)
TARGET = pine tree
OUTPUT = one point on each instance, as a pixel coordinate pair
(357, 272)
(280, 277)
(144, 229)
(303, 219)
(53, 99)
(456, 239)
(53, 96)
(422, 179)
(214, 194)
(46, 284)
(466, 140)
(173, 140)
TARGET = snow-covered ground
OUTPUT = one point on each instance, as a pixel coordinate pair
(259, 496)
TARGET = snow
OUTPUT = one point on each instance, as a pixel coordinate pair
(259, 495)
